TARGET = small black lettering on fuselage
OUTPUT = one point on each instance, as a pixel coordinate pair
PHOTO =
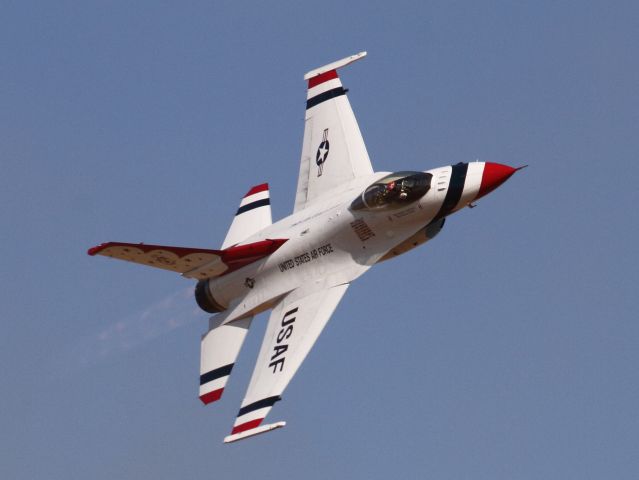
(325, 249)
(286, 265)
(362, 230)
(303, 258)
(280, 348)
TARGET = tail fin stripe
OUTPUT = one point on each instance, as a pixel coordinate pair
(254, 197)
(321, 78)
(224, 371)
(253, 215)
(212, 396)
(322, 97)
(251, 206)
(263, 187)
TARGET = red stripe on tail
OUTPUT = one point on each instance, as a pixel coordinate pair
(321, 78)
(257, 189)
(211, 396)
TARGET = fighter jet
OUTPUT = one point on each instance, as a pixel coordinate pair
(346, 218)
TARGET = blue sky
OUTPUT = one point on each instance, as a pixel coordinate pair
(506, 348)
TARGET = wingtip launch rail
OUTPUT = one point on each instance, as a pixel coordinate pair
(335, 65)
(253, 432)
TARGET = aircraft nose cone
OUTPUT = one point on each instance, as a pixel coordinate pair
(494, 175)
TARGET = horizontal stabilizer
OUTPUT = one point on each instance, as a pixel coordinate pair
(219, 350)
(254, 431)
(198, 263)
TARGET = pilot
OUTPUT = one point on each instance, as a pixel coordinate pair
(397, 189)
(403, 193)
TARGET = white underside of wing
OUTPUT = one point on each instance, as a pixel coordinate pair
(294, 326)
(333, 150)
(187, 261)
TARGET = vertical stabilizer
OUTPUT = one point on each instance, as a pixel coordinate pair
(253, 215)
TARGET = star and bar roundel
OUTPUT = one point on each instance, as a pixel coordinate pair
(322, 153)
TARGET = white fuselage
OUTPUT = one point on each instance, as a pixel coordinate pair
(330, 244)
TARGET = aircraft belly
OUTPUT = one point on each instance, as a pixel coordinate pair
(321, 253)
(326, 246)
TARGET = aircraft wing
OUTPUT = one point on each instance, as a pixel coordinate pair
(293, 327)
(198, 263)
(333, 150)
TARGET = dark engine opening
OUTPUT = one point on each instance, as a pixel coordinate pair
(205, 299)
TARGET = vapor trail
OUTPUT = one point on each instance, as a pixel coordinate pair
(172, 312)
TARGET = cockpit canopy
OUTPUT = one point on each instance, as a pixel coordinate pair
(393, 191)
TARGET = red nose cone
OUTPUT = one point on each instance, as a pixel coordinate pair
(494, 175)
